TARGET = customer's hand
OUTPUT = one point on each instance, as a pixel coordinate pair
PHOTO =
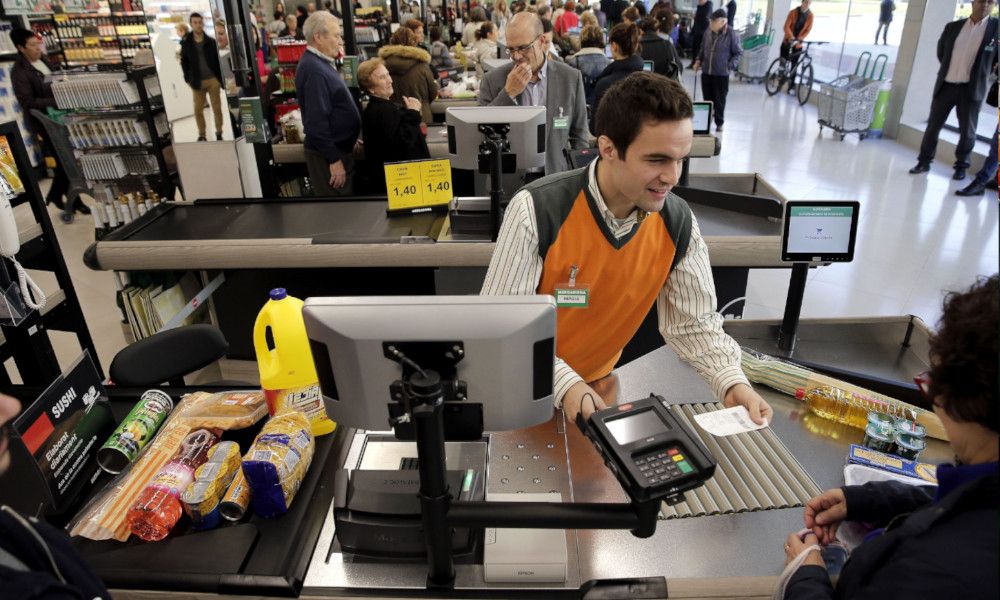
(824, 513)
(795, 545)
(411, 103)
(742, 394)
(581, 399)
(338, 175)
(696, 66)
(517, 80)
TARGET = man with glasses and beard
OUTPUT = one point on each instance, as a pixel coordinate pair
(533, 80)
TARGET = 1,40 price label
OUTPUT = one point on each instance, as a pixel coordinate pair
(418, 184)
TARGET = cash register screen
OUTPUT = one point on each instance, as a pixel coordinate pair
(702, 120)
(636, 427)
(823, 230)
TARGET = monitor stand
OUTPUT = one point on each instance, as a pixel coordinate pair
(793, 307)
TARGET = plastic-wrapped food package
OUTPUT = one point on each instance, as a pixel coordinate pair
(211, 480)
(104, 517)
(277, 463)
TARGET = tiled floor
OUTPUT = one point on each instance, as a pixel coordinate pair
(916, 240)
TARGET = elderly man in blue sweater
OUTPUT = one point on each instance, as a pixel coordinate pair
(330, 116)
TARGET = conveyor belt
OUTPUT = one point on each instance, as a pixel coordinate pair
(755, 472)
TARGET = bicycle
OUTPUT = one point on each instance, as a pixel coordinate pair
(780, 72)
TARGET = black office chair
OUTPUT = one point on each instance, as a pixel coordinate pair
(169, 355)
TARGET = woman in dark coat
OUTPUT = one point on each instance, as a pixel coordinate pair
(392, 133)
(662, 52)
(410, 68)
(626, 60)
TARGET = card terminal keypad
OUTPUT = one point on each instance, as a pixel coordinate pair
(663, 465)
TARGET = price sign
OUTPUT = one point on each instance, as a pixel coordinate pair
(420, 184)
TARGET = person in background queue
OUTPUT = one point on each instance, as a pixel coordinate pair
(292, 29)
(410, 68)
(440, 54)
(660, 50)
(798, 24)
(330, 117)
(624, 41)
(590, 60)
(967, 51)
(32, 91)
(392, 132)
(930, 543)
(37, 561)
(615, 225)
(300, 17)
(203, 72)
(417, 27)
(533, 80)
(699, 25)
(720, 54)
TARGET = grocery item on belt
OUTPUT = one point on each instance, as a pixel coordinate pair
(158, 507)
(135, 431)
(211, 480)
(277, 462)
(237, 498)
(104, 517)
(287, 373)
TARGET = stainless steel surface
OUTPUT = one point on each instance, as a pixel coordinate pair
(732, 555)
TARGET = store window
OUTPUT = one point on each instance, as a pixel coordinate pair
(850, 28)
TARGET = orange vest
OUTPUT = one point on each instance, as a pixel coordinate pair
(624, 276)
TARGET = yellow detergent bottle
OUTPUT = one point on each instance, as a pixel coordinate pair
(287, 374)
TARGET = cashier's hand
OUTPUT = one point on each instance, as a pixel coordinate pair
(517, 80)
(581, 399)
(824, 513)
(338, 175)
(742, 394)
(794, 546)
(411, 103)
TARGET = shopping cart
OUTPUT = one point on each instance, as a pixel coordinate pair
(59, 138)
(847, 104)
(753, 61)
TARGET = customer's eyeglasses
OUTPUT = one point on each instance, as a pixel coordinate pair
(522, 49)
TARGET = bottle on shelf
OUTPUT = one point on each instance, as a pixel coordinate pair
(849, 408)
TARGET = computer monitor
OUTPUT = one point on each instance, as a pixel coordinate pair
(526, 135)
(702, 119)
(647, 66)
(820, 230)
(501, 347)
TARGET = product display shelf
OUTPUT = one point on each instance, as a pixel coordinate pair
(28, 342)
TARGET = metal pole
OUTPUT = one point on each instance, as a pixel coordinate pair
(793, 306)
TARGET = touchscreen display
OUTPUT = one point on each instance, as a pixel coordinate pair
(819, 230)
(636, 427)
(702, 113)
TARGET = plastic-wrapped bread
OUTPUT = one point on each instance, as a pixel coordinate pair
(277, 463)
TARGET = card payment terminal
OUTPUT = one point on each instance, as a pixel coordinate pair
(653, 455)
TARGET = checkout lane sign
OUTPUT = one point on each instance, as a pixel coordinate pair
(418, 185)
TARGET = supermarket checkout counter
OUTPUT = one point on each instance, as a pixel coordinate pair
(731, 555)
(437, 144)
(262, 244)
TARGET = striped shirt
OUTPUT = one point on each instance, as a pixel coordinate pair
(685, 306)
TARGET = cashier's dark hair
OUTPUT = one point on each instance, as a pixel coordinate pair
(964, 355)
(639, 99)
(20, 37)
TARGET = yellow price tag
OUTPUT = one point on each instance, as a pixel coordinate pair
(418, 184)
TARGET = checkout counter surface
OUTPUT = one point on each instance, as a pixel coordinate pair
(731, 555)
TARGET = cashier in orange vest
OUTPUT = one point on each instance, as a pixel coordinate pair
(610, 240)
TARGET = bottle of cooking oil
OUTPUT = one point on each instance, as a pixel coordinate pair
(849, 408)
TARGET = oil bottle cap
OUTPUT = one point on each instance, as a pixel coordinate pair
(278, 294)
(799, 393)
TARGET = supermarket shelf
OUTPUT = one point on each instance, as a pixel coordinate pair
(134, 13)
(84, 63)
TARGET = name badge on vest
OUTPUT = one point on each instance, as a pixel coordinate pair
(571, 295)
(560, 122)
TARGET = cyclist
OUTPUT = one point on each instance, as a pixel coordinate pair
(798, 24)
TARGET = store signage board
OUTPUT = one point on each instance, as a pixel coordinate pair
(63, 428)
(418, 186)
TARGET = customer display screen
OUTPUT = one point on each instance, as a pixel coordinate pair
(820, 231)
(636, 427)
(702, 117)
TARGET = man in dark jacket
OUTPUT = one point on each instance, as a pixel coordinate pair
(37, 561)
(885, 11)
(330, 116)
(967, 51)
(930, 543)
(702, 20)
(662, 52)
(731, 13)
(720, 54)
(28, 79)
(202, 71)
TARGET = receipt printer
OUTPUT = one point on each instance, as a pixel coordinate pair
(377, 513)
(470, 216)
